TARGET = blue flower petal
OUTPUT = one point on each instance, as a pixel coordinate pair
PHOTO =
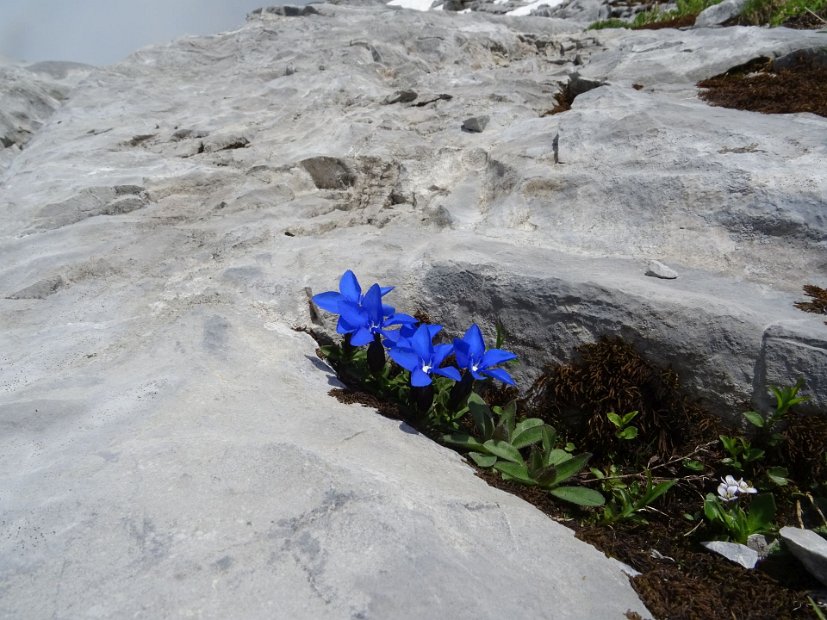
(405, 358)
(361, 337)
(476, 344)
(400, 319)
(421, 343)
(372, 303)
(499, 374)
(493, 357)
(420, 378)
(450, 372)
(387, 310)
(441, 351)
(353, 314)
(386, 290)
(349, 287)
(328, 301)
(461, 351)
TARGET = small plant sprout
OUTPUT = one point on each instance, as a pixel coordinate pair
(622, 423)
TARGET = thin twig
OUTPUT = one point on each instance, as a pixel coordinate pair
(700, 448)
(823, 21)
(818, 510)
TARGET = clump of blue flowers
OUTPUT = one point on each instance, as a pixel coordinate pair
(432, 377)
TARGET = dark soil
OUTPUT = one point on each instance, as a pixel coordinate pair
(818, 300)
(757, 87)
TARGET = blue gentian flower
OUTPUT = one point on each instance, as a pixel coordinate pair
(422, 358)
(402, 336)
(472, 356)
(349, 291)
(368, 320)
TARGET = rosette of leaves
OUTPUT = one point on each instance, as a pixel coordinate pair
(628, 500)
(498, 442)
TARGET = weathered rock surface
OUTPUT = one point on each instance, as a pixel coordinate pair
(809, 548)
(168, 444)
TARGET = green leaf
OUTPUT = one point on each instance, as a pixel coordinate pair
(482, 416)
(508, 416)
(615, 419)
(693, 465)
(504, 450)
(527, 432)
(630, 432)
(546, 477)
(713, 510)
(501, 334)
(629, 417)
(569, 468)
(556, 456)
(483, 460)
(514, 471)
(579, 495)
(761, 513)
(501, 433)
(755, 418)
(656, 492)
(463, 440)
(753, 454)
(778, 475)
(549, 438)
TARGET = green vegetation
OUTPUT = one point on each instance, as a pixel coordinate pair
(754, 13)
(777, 12)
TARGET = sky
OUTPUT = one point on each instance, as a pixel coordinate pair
(102, 32)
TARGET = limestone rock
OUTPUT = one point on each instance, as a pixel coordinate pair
(168, 444)
(734, 552)
(809, 548)
(657, 269)
(719, 13)
(475, 124)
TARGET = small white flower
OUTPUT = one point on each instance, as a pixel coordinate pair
(744, 487)
(730, 488)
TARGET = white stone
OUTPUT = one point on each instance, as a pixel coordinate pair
(734, 552)
(657, 269)
(809, 548)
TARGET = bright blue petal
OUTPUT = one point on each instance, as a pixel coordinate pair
(362, 336)
(461, 351)
(476, 374)
(450, 372)
(420, 378)
(372, 303)
(328, 301)
(499, 374)
(405, 358)
(493, 357)
(441, 351)
(476, 345)
(434, 329)
(353, 314)
(349, 287)
(387, 310)
(421, 343)
(400, 319)
(343, 327)
(386, 290)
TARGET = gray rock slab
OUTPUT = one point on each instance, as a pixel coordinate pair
(168, 444)
(734, 552)
(719, 13)
(809, 548)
